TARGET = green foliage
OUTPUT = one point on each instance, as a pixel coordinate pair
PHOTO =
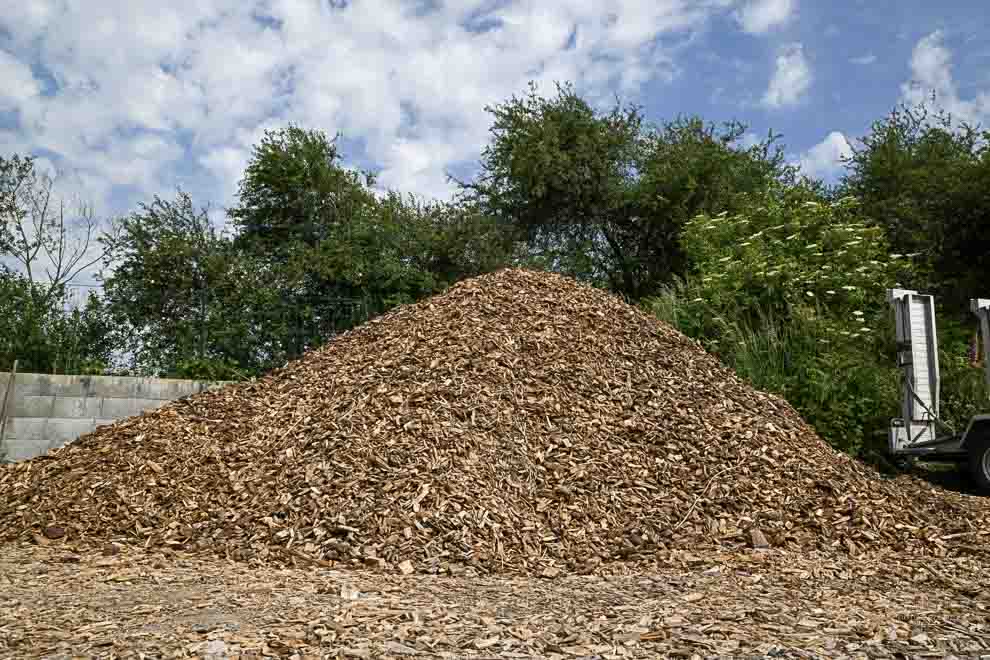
(555, 172)
(16, 175)
(331, 253)
(601, 196)
(294, 191)
(165, 290)
(450, 241)
(43, 335)
(791, 293)
(923, 177)
(208, 369)
(964, 390)
(789, 252)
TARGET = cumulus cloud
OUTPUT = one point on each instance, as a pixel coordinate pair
(931, 70)
(147, 95)
(760, 16)
(17, 83)
(824, 160)
(791, 78)
(864, 60)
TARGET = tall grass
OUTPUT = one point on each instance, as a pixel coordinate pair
(847, 391)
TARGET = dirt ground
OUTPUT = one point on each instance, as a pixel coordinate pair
(62, 602)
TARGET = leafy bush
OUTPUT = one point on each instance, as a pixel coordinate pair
(208, 369)
(792, 294)
(964, 391)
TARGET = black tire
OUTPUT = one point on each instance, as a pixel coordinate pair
(978, 451)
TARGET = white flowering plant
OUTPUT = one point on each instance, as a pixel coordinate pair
(792, 294)
(788, 255)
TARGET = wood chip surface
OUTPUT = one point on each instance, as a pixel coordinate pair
(520, 467)
(62, 603)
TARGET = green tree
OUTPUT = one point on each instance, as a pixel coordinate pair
(603, 197)
(295, 191)
(50, 243)
(449, 241)
(924, 178)
(334, 253)
(175, 290)
(16, 176)
(45, 334)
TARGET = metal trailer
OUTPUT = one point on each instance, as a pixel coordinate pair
(919, 432)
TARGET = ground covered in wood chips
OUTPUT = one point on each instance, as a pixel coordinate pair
(519, 423)
(61, 601)
(520, 467)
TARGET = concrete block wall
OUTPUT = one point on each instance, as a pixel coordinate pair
(45, 412)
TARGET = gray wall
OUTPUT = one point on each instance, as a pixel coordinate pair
(45, 412)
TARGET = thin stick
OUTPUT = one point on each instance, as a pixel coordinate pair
(702, 494)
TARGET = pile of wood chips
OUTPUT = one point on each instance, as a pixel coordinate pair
(519, 423)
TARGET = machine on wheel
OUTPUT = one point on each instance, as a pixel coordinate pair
(919, 432)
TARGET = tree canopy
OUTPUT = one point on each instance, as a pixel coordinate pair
(603, 196)
(924, 178)
(295, 191)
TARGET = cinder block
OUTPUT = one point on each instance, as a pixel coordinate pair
(123, 408)
(30, 437)
(73, 407)
(49, 411)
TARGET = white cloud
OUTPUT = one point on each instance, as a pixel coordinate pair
(791, 78)
(152, 95)
(749, 139)
(17, 83)
(417, 165)
(824, 160)
(867, 59)
(931, 70)
(760, 16)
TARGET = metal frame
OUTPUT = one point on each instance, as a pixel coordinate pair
(981, 307)
(917, 431)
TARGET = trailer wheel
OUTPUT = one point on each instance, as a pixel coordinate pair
(978, 449)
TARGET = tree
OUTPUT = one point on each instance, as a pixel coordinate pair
(334, 253)
(603, 197)
(174, 290)
(556, 171)
(294, 191)
(923, 177)
(449, 241)
(45, 334)
(783, 255)
(49, 245)
(16, 174)
(791, 293)
(48, 242)
(684, 168)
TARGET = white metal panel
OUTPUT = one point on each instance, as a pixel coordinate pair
(918, 360)
(981, 307)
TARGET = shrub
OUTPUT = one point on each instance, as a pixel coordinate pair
(792, 294)
(208, 369)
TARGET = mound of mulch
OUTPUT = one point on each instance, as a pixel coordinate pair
(520, 423)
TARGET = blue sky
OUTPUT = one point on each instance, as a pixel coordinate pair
(131, 98)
